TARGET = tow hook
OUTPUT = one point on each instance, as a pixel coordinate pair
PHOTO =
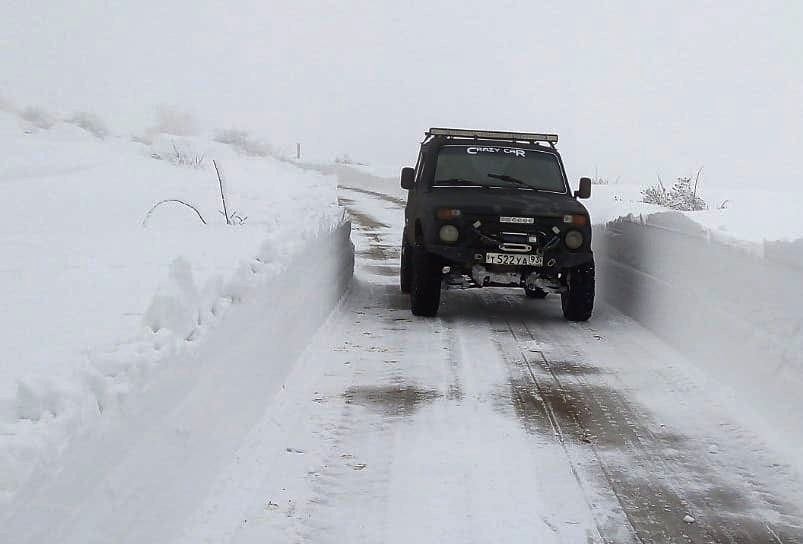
(516, 248)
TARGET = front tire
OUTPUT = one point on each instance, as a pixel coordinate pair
(405, 272)
(578, 299)
(425, 285)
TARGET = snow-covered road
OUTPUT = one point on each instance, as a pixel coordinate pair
(495, 422)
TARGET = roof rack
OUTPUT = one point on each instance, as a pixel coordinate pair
(552, 139)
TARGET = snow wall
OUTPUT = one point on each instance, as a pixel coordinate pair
(275, 315)
(291, 307)
(735, 309)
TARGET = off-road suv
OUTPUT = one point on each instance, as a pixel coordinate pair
(489, 208)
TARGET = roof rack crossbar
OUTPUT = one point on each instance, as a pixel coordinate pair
(493, 135)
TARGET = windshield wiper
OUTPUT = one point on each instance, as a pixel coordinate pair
(454, 180)
(511, 179)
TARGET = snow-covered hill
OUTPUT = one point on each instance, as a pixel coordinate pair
(93, 300)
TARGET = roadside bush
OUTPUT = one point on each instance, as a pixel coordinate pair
(38, 117)
(682, 196)
(181, 156)
(90, 123)
(245, 143)
(599, 180)
(346, 159)
(234, 137)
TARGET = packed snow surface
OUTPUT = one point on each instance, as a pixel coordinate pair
(94, 300)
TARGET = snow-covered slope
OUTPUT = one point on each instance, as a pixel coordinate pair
(93, 300)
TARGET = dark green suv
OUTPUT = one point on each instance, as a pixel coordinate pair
(488, 208)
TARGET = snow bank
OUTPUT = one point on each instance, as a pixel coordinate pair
(735, 306)
(136, 474)
(724, 285)
(95, 303)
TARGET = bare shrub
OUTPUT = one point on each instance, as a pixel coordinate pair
(682, 196)
(172, 121)
(232, 218)
(90, 123)
(600, 180)
(181, 156)
(346, 159)
(235, 217)
(656, 194)
(38, 117)
(184, 157)
(233, 136)
(174, 201)
(245, 143)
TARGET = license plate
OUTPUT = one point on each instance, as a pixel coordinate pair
(514, 259)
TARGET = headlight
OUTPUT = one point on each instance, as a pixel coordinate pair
(449, 234)
(573, 239)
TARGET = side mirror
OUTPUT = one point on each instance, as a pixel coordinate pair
(584, 191)
(407, 178)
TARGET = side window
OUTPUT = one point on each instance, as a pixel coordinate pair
(417, 175)
(419, 169)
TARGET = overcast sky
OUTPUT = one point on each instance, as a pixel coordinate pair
(632, 89)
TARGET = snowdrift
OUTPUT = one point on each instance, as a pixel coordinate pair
(736, 307)
(96, 304)
(192, 419)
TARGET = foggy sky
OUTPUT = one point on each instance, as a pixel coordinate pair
(633, 90)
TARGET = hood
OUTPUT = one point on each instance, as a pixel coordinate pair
(504, 201)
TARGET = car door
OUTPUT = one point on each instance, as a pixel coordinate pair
(413, 197)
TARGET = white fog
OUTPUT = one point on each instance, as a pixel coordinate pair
(231, 316)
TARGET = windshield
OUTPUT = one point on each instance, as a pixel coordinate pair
(498, 166)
